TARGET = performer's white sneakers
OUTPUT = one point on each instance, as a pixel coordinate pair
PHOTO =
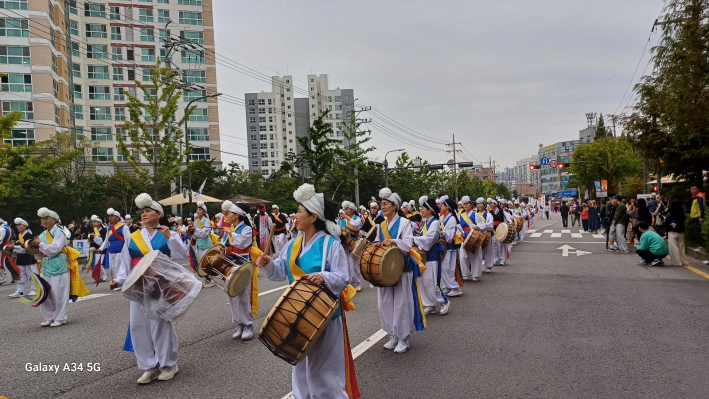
(429, 309)
(237, 333)
(15, 295)
(45, 323)
(402, 346)
(444, 308)
(57, 324)
(391, 344)
(456, 292)
(149, 376)
(248, 333)
(167, 373)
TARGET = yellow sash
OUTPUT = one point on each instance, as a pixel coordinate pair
(96, 233)
(457, 238)
(212, 236)
(139, 241)
(22, 238)
(414, 254)
(467, 220)
(276, 217)
(117, 227)
(76, 284)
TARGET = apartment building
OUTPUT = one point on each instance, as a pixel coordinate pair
(275, 119)
(70, 62)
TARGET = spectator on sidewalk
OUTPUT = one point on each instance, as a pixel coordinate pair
(652, 204)
(576, 218)
(620, 224)
(658, 217)
(564, 214)
(639, 213)
(584, 216)
(674, 224)
(652, 247)
(697, 212)
(594, 220)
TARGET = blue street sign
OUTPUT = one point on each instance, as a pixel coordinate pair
(544, 161)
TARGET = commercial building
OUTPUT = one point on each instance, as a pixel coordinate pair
(482, 174)
(507, 177)
(524, 174)
(68, 63)
(275, 119)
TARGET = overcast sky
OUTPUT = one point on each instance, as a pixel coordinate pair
(503, 76)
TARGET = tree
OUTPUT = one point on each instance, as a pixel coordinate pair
(601, 131)
(318, 149)
(671, 120)
(148, 119)
(608, 158)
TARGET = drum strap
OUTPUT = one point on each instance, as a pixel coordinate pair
(297, 246)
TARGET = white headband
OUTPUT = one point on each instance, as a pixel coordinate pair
(46, 213)
(386, 195)
(315, 203)
(19, 221)
(144, 200)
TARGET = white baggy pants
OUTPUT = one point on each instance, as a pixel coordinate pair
(396, 307)
(25, 277)
(56, 307)
(448, 270)
(154, 341)
(240, 306)
(428, 285)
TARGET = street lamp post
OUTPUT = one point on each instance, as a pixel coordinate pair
(386, 168)
(187, 141)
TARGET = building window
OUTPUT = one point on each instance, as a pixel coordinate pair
(115, 13)
(199, 153)
(102, 154)
(98, 72)
(56, 115)
(118, 94)
(262, 119)
(190, 18)
(14, 28)
(252, 128)
(192, 57)
(96, 30)
(149, 94)
(131, 74)
(24, 107)
(117, 73)
(147, 74)
(75, 49)
(197, 37)
(115, 33)
(76, 70)
(96, 51)
(250, 102)
(262, 110)
(145, 15)
(147, 35)
(120, 114)
(199, 115)
(99, 93)
(252, 120)
(78, 112)
(262, 137)
(147, 55)
(14, 55)
(21, 137)
(190, 95)
(101, 134)
(73, 28)
(190, 2)
(264, 155)
(55, 87)
(262, 128)
(163, 16)
(100, 113)
(54, 64)
(16, 83)
(163, 1)
(198, 134)
(264, 146)
(94, 10)
(77, 91)
(72, 6)
(116, 53)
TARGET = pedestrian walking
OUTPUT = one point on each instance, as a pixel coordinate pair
(674, 224)
(547, 208)
(576, 216)
(594, 221)
(584, 216)
(564, 210)
(620, 223)
(697, 212)
(652, 248)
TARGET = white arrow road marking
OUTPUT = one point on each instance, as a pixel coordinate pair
(566, 251)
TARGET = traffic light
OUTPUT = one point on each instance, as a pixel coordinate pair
(561, 165)
(654, 187)
(534, 167)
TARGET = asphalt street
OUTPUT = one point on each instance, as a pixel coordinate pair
(591, 324)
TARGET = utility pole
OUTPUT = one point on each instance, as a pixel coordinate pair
(354, 119)
(455, 167)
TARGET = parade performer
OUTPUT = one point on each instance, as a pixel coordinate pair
(202, 235)
(485, 217)
(432, 296)
(279, 230)
(399, 311)
(470, 262)
(328, 369)
(129, 223)
(59, 268)
(262, 224)
(352, 222)
(240, 239)
(96, 238)
(113, 244)
(413, 216)
(154, 341)
(499, 249)
(27, 264)
(373, 218)
(449, 226)
(5, 239)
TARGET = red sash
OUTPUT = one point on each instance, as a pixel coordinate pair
(115, 234)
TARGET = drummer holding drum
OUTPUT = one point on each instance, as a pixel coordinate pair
(449, 222)
(154, 341)
(470, 262)
(431, 293)
(239, 241)
(318, 256)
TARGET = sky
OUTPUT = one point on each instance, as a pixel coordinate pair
(503, 76)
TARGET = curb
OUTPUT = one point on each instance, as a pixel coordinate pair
(696, 254)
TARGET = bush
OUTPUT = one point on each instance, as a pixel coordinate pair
(705, 229)
(690, 240)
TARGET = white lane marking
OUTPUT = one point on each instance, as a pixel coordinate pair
(576, 235)
(358, 350)
(566, 251)
(273, 290)
(598, 236)
(548, 231)
(92, 296)
(567, 242)
(535, 235)
(565, 231)
(531, 230)
(555, 235)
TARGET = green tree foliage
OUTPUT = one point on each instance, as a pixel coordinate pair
(146, 128)
(318, 149)
(411, 184)
(671, 120)
(607, 158)
(601, 130)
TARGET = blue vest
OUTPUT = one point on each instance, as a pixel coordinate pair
(409, 262)
(158, 242)
(435, 252)
(115, 245)
(8, 234)
(312, 262)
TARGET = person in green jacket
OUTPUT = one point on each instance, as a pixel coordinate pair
(652, 247)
